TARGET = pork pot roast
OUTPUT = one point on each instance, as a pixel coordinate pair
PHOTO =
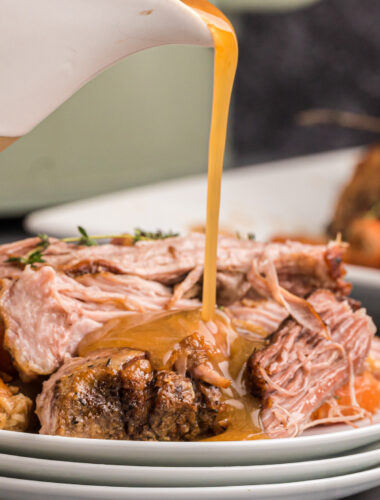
(290, 299)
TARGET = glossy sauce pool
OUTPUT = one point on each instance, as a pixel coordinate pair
(160, 333)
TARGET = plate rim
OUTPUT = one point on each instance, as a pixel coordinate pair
(375, 471)
(255, 444)
(212, 468)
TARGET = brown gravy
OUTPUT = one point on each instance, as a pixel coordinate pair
(225, 63)
(159, 334)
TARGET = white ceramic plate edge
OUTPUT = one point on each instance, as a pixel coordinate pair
(319, 489)
(140, 476)
(321, 444)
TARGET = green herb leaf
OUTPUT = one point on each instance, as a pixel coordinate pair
(35, 256)
(85, 239)
(30, 259)
(141, 235)
(251, 236)
(44, 238)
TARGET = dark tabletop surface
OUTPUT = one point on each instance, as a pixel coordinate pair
(11, 229)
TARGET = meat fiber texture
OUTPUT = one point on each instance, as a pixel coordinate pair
(300, 369)
(48, 308)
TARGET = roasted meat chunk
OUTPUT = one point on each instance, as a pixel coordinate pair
(86, 397)
(301, 369)
(14, 408)
(174, 415)
(183, 409)
(115, 394)
(193, 355)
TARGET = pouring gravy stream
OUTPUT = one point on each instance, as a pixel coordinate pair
(225, 63)
(160, 333)
(6, 142)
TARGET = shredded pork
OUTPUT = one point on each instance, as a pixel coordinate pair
(47, 309)
(293, 294)
(302, 369)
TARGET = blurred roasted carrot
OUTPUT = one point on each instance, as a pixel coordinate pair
(367, 392)
(364, 239)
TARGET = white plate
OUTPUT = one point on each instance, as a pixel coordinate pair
(363, 276)
(127, 475)
(319, 489)
(317, 443)
(253, 199)
(283, 196)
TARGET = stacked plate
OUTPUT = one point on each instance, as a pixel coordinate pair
(329, 462)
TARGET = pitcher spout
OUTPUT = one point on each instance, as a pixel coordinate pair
(51, 48)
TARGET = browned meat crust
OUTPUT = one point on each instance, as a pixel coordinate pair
(182, 410)
(83, 399)
(115, 394)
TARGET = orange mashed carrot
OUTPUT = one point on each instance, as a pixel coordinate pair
(367, 391)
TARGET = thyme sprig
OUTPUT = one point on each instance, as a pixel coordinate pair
(141, 235)
(34, 256)
(84, 238)
(138, 235)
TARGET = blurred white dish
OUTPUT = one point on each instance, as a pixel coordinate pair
(137, 476)
(294, 195)
(364, 276)
(289, 196)
(319, 489)
(320, 442)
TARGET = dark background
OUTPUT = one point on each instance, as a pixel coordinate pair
(323, 56)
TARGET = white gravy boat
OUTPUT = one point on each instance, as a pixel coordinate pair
(51, 48)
